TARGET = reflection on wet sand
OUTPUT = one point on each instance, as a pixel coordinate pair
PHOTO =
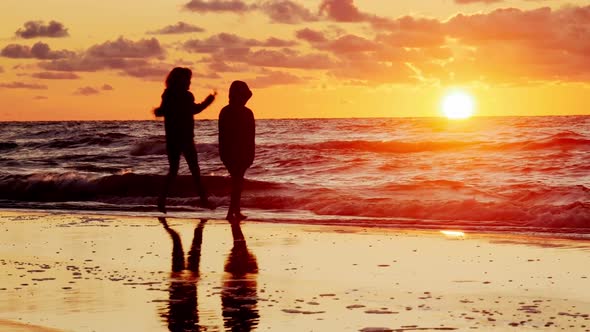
(239, 295)
(183, 314)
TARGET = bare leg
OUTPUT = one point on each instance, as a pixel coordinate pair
(174, 162)
(190, 154)
(234, 212)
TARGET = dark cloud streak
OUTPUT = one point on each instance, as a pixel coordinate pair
(342, 11)
(287, 12)
(234, 6)
(22, 85)
(86, 91)
(278, 11)
(89, 90)
(125, 48)
(55, 75)
(35, 29)
(178, 28)
(39, 50)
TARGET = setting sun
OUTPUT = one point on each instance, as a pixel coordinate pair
(458, 105)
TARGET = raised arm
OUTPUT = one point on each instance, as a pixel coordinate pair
(198, 108)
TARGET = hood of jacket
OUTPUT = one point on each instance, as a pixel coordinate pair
(239, 93)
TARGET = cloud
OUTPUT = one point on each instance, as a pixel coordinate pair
(21, 66)
(86, 91)
(498, 46)
(219, 66)
(567, 29)
(342, 11)
(466, 2)
(360, 60)
(41, 97)
(39, 50)
(130, 58)
(148, 71)
(339, 46)
(84, 63)
(311, 36)
(351, 43)
(286, 11)
(234, 6)
(278, 11)
(125, 48)
(525, 45)
(283, 58)
(16, 51)
(22, 85)
(387, 58)
(503, 46)
(178, 28)
(231, 41)
(1, 69)
(34, 29)
(274, 78)
(89, 90)
(139, 68)
(502, 24)
(55, 75)
(369, 70)
(412, 32)
(210, 75)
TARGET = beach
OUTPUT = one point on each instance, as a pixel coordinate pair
(92, 272)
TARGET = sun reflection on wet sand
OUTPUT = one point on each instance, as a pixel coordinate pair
(454, 234)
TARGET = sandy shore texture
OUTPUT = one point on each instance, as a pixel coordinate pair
(67, 272)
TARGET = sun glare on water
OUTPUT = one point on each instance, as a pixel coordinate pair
(458, 105)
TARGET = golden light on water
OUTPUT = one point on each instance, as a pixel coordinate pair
(454, 234)
(458, 105)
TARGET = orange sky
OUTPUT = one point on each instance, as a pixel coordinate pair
(71, 60)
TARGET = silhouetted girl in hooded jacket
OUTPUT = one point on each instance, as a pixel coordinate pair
(236, 142)
(178, 108)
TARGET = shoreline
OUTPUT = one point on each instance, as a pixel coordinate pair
(396, 224)
(116, 273)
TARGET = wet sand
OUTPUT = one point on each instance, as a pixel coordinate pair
(66, 272)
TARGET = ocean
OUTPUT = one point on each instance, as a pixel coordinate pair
(512, 174)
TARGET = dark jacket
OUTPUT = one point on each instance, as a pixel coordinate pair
(178, 108)
(237, 130)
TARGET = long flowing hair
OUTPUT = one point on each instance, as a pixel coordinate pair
(179, 78)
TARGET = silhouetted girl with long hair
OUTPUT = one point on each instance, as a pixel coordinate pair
(236, 142)
(178, 108)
